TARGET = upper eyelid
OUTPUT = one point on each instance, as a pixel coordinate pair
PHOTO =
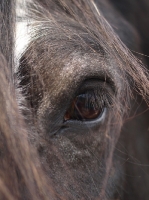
(101, 89)
(98, 83)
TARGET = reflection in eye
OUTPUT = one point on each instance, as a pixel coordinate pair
(84, 107)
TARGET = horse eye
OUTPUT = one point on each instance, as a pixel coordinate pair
(84, 108)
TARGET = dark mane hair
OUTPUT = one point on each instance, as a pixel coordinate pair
(82, 25)
(68, 26)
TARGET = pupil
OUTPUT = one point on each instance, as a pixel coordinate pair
(84, 107)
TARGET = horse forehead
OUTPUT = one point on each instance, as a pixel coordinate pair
(78, 67)
(75, 68)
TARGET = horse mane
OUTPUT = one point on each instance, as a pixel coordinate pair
(80, 24)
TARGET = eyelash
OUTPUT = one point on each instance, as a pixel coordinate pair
(88, 106)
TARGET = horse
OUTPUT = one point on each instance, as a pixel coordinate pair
(74, 104)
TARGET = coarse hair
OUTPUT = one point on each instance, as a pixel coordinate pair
(70, 25)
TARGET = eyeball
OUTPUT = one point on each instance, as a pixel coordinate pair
(85, 107)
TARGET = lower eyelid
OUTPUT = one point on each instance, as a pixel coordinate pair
(90, 123)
